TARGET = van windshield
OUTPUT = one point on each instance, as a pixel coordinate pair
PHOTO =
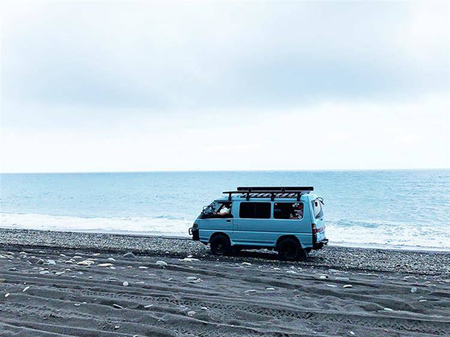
(317, 205)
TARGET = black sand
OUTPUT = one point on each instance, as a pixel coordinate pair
(54, 284)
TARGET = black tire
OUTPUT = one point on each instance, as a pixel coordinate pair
(220, 245)
(291, 250)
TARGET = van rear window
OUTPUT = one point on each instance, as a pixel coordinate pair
(317, 205)
(255, 210)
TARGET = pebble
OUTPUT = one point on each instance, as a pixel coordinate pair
(388, 309)
(413, 289)
(143, 267)
(125, 284)
(191, 313)
(270, 289)
(246, 263)
(105, 265)
(7, 295)
(250, 291)
(148, 306)
(117, 306)
(117, 327)
(26, 288)
(203, 308)
(323, 277)
(51, 262)
(12, 269)
(44, 272)
(161, 263)
(189, 259)
(129, 255)
(111, 259)
(347, 286)
(291, 272)
(85, 263)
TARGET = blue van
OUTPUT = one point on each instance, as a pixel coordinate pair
(286, 219)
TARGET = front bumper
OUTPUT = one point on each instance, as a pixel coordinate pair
(320, 244)
(195, 234)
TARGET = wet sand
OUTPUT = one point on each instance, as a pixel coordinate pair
(54, 284)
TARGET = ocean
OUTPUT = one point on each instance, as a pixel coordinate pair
(407, 209)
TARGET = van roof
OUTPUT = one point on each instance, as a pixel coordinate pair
(259, 199)
(271, 193)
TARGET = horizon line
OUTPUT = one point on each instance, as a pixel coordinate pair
(231, 170)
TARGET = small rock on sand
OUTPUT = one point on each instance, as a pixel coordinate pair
(129, 255)
(26, 288)
(6, 295)
(270, 289)
(105, 265)
(246, 263)
(143, 267)
(413, 289)
(117, 306)
(125, 284)
(189, 259)
(191, 313)
(348, 286)
(161, 263)
(85, 263)
(388, 309)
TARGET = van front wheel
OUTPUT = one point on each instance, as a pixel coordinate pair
(290, 250)
(220, 245)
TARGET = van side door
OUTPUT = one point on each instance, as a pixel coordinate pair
(253, 223)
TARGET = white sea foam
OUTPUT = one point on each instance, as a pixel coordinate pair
(340, 232)
(136, 225)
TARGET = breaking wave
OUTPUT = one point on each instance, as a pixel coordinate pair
(382, 234)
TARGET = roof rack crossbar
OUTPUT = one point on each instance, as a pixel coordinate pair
(270, 192)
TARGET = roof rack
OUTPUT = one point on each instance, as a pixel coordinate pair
(272, 192)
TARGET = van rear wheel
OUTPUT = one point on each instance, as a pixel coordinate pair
(290, 250)
(220, 245)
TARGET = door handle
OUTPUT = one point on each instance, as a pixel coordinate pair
(228, 220)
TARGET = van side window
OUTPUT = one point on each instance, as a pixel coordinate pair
(255, 210)
(288, 210)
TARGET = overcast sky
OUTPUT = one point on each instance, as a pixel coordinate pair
(137, 86)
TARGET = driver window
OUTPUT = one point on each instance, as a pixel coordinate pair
(219, 210)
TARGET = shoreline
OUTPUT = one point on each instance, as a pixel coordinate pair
(186, 237)
(348, 258)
